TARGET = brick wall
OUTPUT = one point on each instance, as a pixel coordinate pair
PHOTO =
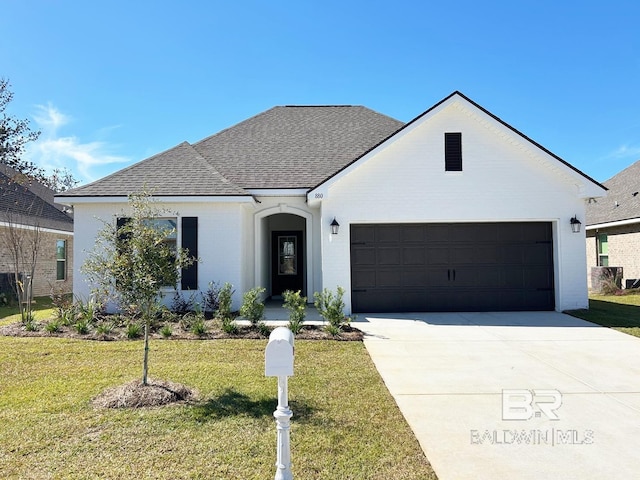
(624, 249)
(46, 264)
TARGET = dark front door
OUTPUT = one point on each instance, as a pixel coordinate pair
(452, 267)
(287, 262)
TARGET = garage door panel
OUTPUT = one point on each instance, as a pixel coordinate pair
(388, 234)
(363, 234)
(438, 276)
(463, 255)
(414, 256)
(389, 278)
(438, 255)
(414, 233)
(363, 279)
(487, 255)
(538, 254)
(449, 267)
(414, 277)
(389, 256)
(363, 257)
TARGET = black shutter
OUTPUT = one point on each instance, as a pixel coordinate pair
(189, 277)
(453, 152)
(121, 222)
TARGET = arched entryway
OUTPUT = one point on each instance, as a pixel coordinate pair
(283, 250)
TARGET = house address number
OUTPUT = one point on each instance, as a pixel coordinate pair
(319, 195)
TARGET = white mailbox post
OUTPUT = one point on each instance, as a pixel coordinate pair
(278, 362)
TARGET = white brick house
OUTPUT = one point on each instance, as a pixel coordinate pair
(455, 210)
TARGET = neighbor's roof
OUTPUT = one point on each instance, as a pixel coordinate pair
(285, 147)
(622, 201)
(24, 201)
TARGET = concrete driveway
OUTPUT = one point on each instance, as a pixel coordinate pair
(513, 395)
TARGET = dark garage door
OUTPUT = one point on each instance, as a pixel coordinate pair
(452, 267)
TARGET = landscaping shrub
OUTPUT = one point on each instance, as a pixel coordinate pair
(331, 308)
(198, 326)
(252, 305)
(210, 298)
(104, 328)
(82, 326)
(229, 326)
(225, 300)
(181, 305)
(52, 327)
(296, 304)
(264, 329)
(133, 330)
(166, 331)
(31, 327)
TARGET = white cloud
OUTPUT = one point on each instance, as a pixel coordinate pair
(49, 117)
(625, 151)
(53, 150)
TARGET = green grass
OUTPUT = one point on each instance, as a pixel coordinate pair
(621, 312)
(42, 308)
(345, 424)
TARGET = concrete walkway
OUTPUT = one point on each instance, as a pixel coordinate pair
(461, 381)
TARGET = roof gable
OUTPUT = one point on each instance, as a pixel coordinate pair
(622, 201)
(587, 185)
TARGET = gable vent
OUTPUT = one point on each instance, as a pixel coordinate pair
(453, 152)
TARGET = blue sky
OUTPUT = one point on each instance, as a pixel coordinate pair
(111, 83)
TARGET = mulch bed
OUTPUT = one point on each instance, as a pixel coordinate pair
(309, 332)
(156, 393)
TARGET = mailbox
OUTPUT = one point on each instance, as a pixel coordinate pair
(278, 357)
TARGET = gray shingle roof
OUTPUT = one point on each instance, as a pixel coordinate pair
(178, 171)
(24, 202)
(284, 147)
(622, 201)
(295, 147)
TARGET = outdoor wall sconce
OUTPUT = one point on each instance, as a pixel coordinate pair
(334, 226)
(575, 224)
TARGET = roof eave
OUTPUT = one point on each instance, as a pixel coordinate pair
(76, 200)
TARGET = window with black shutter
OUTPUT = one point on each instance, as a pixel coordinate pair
(453, 152)
(189, 276)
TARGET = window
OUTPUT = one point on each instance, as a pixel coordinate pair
(61, 259)
(453, 152)
(166, 225)
(287, 256)
(603, 250)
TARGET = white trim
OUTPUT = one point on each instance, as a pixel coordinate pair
(619, 223)
(278, 192)
(259, 247)
(163, 198)
(34, 227)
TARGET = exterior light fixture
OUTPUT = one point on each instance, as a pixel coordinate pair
(575, 224)
(334, 226)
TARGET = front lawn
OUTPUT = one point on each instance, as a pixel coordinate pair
(621, 312)
(42, 309)
(345, 424)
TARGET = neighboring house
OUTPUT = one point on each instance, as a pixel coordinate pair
(613, 227)
(27, 212)
(455, 210)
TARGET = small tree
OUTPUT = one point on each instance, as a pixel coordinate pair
(131, 262)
